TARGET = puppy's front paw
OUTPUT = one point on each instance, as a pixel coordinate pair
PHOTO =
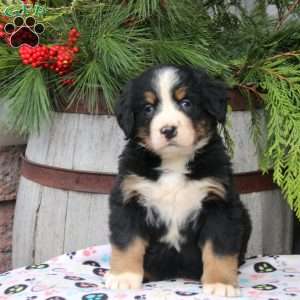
(221, 289)
(123, 281)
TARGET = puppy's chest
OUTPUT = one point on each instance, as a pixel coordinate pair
(173, 197)
(173, 200)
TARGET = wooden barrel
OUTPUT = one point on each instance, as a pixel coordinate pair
(62, 202)
(50, 221)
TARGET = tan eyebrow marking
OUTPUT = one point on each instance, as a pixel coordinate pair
(150, 97)
(180, 93)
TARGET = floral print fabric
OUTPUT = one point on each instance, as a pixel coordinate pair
(79, 276)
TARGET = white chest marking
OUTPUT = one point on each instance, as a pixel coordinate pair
(174, 197)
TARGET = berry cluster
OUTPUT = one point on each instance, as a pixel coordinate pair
(58, 58)
(73, 37)
(61, 58)
(36, 57)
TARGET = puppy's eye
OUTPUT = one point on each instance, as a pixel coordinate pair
(148, 110)
(185, 104)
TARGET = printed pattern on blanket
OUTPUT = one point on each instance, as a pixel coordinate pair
(79, 276)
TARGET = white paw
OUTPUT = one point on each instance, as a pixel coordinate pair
(123, 281)
(221, 289)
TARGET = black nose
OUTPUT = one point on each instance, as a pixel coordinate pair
(169, 131)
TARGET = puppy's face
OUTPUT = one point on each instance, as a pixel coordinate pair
(171, 109)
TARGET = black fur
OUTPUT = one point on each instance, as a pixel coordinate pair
(224, 222)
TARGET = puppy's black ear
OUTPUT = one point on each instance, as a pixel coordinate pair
(214, 94)
(124, 112)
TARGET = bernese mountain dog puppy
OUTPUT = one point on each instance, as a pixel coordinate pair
(174, 211)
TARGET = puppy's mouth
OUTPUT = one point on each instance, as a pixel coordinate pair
(172, 144)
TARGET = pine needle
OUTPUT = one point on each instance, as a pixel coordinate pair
(27, 100)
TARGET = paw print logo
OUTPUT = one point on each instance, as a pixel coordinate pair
(264, 267)
(140, 297)
(100, 271)
(15, 289)
(265, 287)
(96, 296)
(91, 263)
(185, 293)
(37, 267)
(86, 285)
(24, 32)
(75, 278)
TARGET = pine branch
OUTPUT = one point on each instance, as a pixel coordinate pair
(27, 100)
(291, 9)
(250, 90)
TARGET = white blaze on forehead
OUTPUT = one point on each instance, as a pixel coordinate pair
(169, 114)
(165, 81)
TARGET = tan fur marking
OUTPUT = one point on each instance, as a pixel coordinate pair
(148, 276)
(145, 138)
(202, 130)
(130, 259)
(129, 186)
(180, 93)
(218, 269)
(216, 188)
(150, 97)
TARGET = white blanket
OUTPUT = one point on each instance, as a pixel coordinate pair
(79, 275)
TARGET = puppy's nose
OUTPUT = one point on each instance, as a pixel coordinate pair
(169, 131)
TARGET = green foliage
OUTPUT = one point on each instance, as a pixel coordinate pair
(27, 99)
(281, 79)
(110, 53)
(278, 79)
(247, 47)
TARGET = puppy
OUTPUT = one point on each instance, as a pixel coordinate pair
(174, 211)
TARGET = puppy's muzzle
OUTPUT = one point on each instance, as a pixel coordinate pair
(169, 132)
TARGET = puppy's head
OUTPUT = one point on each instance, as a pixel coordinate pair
(170, 108)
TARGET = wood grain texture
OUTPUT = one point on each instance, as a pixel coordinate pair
(25, 222)
(50, 224)
(57, 221)
(245, 158)
(272, 222)
(103, 141)
(86, 221)
(62, 141)
(38, 143)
